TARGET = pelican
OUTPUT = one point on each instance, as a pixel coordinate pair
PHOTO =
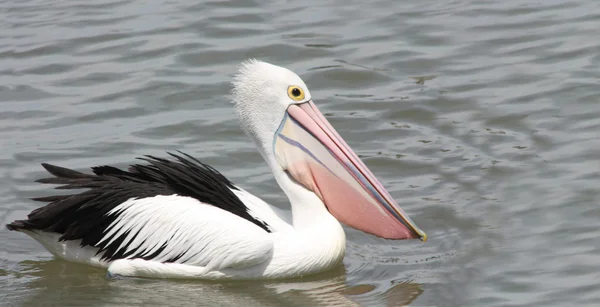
(177, 217)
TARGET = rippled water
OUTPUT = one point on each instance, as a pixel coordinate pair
(481, 118)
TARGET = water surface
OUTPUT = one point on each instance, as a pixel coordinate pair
(480, 117)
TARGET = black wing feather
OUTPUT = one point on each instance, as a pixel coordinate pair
(85, 216)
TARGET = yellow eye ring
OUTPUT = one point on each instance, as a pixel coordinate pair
(296, 93)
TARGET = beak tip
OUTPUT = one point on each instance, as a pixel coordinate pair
(423, 238)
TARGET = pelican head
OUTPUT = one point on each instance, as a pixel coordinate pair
(277, 111)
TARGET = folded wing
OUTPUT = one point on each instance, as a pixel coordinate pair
(179, 211)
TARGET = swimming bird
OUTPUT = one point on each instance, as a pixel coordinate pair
(177, 217)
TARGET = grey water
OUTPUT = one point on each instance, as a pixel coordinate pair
(482, 118)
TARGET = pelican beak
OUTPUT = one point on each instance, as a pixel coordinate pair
(315, 155)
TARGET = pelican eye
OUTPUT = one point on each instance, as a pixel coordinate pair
(296, 93)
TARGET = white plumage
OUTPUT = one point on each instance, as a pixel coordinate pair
(193, 231)
(214, 244)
